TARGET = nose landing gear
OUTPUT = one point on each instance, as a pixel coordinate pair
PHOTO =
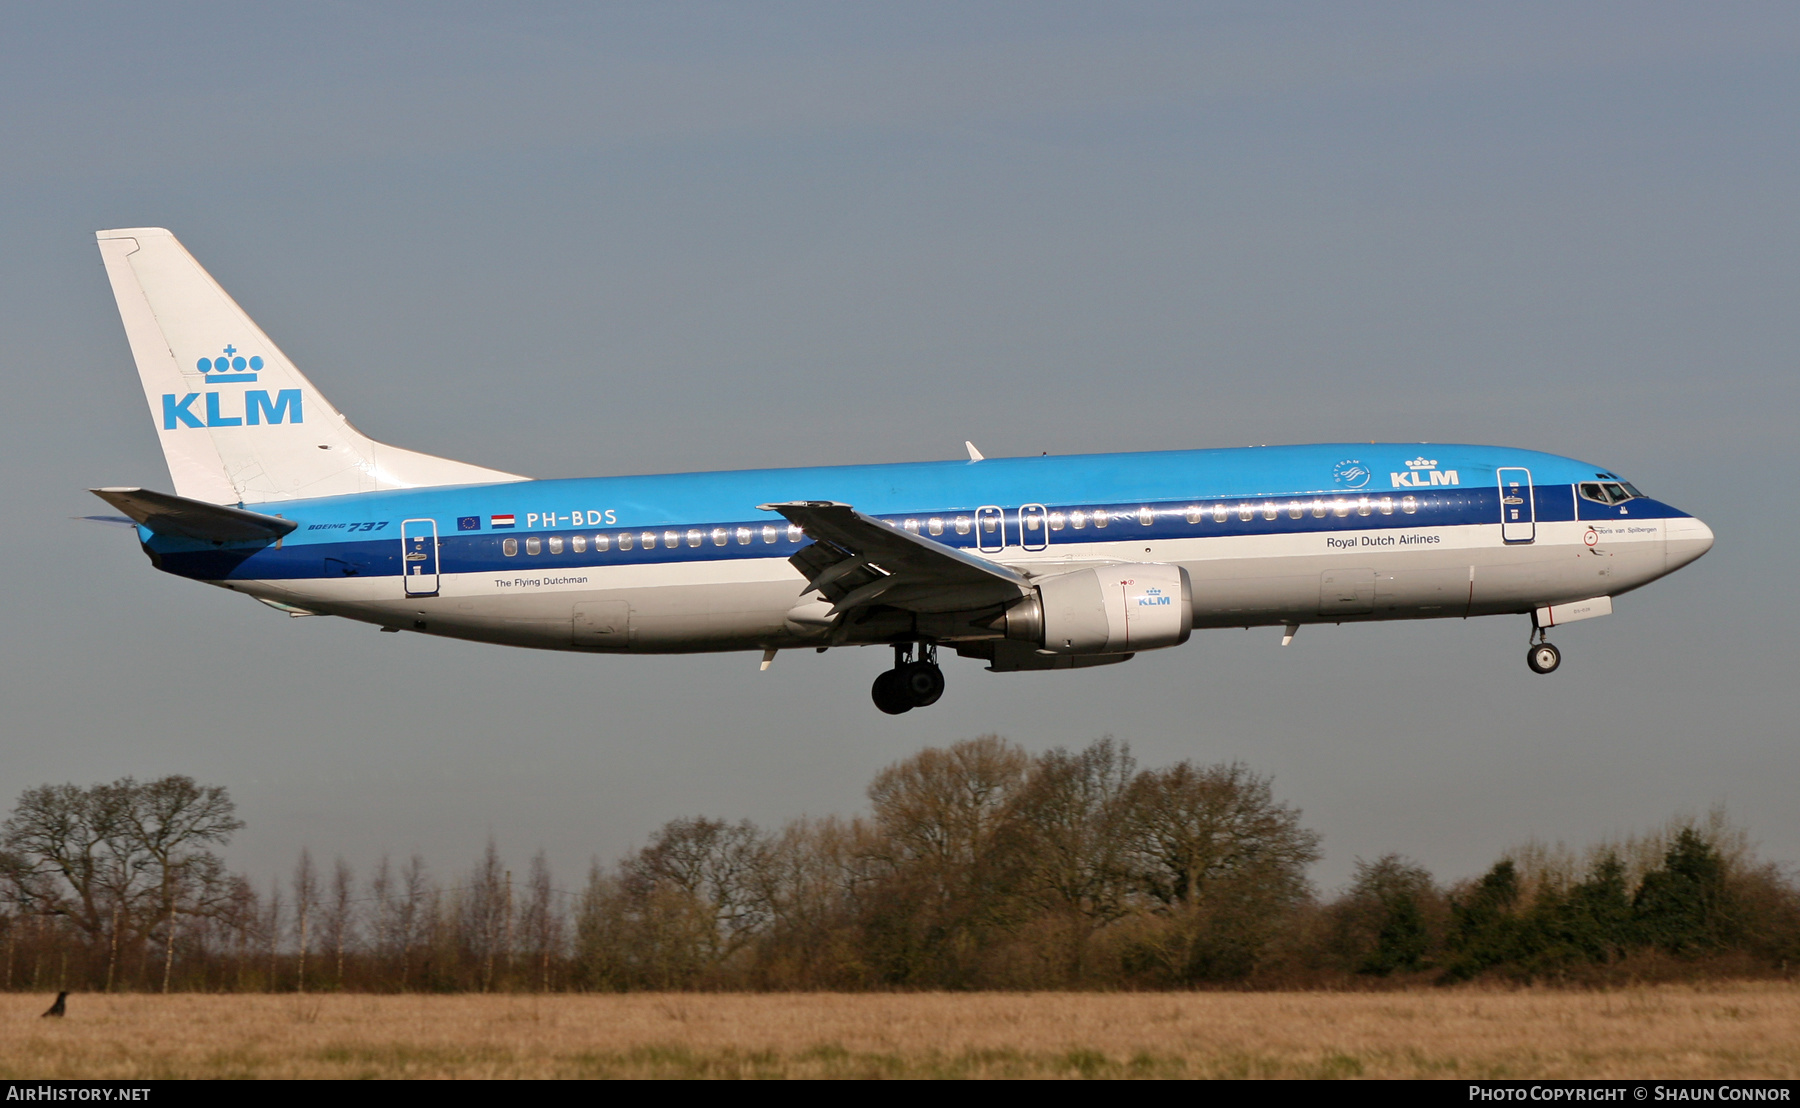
(1542, 657)
(910, 684)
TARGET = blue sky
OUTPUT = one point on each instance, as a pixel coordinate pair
(596, 239)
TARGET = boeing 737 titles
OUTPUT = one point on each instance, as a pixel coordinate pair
(1027, 563)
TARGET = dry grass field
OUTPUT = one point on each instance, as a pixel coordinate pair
(1730, 1030)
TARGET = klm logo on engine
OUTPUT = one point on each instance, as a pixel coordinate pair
(1422, 472)
(1154, 598)
(249, 408)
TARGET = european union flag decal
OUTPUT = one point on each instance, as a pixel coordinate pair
(468, 523)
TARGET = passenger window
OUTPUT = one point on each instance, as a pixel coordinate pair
(720, 535)
(962, 525)
(795, 533)
(1296, 509)
(1031, 523)
(1146, 517)
(1318, 509)
(602, 542)
(935, 525)
(1409, 504)
(912, 525)
(743, 536)
(1078, 520)
(672, 539)
(769, 532)
(1220, 511)
(1387, 505)
(1340, 507)
(1271, 510)
(578, 544)
(556, 544)
(1245, 511)
(1193, 514)
(1364, 506)
(990, 524)
(1101, 519)
(693, 538)
(649, 538)
(509, 547)
(534, 545)
(625, 540)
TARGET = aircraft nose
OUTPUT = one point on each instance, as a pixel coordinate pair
(1688, 539)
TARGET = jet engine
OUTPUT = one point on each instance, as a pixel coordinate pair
(1115, 609)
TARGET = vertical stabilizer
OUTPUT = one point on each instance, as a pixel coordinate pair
(239, 423)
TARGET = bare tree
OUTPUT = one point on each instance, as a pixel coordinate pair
(941, 819)
(1222, 857)
(270, 927)
(382, 914)
(306, 901)
(119, 860)
(1070, 824)
(410, 912)
(339, 914)
(170, 821)
(541, 922)
(696, 870)
(484, 913)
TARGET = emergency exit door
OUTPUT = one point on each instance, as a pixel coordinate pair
(1034, 527)
(419, 556)
(1518, 507)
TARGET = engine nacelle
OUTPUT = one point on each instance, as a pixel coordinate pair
(1112, 610)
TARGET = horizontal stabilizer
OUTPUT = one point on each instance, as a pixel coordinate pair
(195, 519)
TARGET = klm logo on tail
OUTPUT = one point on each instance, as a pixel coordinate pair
(229, 369)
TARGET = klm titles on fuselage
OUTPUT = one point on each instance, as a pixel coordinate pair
(231, 368)
(1422, 472)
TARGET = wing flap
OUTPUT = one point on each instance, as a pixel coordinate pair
(856, 560)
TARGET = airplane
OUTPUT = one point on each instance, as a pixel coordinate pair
(1029, 563)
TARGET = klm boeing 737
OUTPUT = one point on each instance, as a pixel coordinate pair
(1027, 563)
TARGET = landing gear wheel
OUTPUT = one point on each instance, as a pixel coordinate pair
(890, 696)
(1543, 658)
(923, 683)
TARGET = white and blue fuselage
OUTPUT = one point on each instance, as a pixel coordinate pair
(1267, 535)
(1028, 563)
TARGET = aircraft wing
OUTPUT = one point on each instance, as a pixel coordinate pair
(856, 560)
(194, 519)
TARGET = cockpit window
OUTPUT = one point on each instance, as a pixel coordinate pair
(1608, 492)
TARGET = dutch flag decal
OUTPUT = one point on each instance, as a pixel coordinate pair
(500, 521)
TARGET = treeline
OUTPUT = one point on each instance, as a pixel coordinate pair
(978, 866)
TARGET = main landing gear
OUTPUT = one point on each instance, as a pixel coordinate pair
(910, 684)
(1542, 657)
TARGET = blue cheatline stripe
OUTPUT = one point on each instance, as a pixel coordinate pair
(463, 552)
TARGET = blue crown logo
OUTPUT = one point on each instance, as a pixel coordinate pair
(231, 367)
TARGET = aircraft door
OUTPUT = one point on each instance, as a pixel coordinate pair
(1518, 506)
(990, 529)
(1034, 527)
(419, 556)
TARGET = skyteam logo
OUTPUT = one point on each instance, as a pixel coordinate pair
(1423, 472)
(250, 408)
(230, 368)
(1351, 474)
